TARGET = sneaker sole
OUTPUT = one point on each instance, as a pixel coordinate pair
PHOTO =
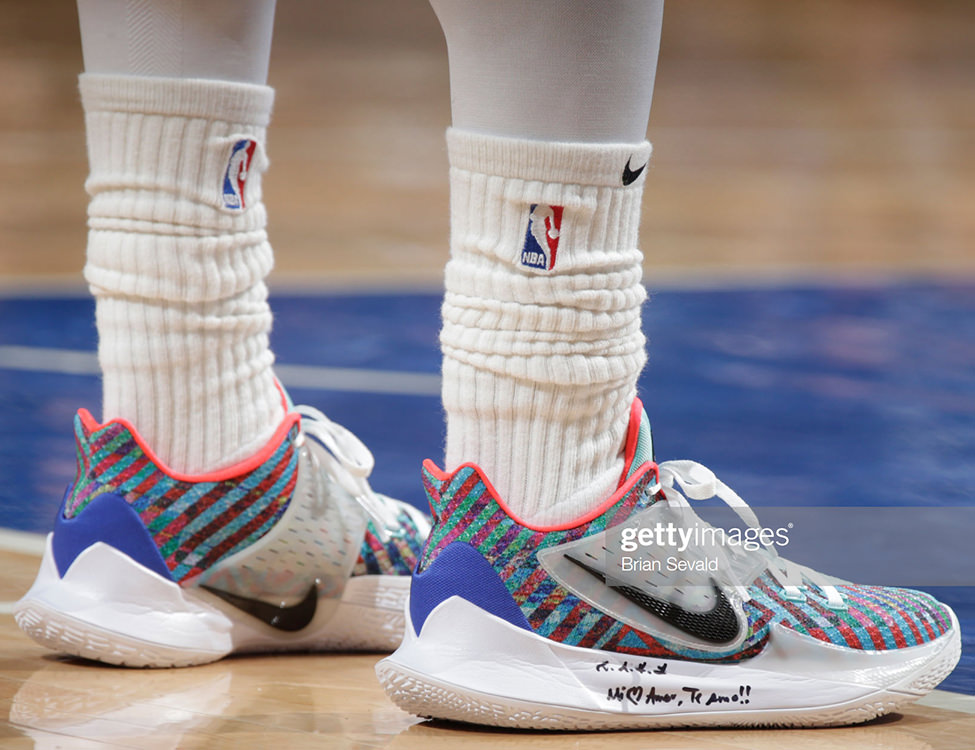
(109, 608)
(468, 665)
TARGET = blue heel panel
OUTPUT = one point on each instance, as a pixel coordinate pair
(460, 570)
(109, 519)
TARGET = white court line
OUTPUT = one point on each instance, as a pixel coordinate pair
(79, 362)
(24, 542)
(949, 701)
(37, 359)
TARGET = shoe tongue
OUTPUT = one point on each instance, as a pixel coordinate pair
(639, 433)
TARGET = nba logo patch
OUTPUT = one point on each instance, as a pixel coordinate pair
(235, 178)
(542, 237)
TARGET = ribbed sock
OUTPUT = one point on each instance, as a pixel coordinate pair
(177, 257)
(541, 333)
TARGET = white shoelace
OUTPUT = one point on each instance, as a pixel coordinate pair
(697, 482)
(347, 462)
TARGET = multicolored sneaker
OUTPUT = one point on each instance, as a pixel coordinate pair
(519, 626)
(290, 550)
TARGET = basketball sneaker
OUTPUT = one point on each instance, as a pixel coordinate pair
(290, 550)
(516, 625)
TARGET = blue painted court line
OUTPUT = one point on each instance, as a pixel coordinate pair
(800, 395)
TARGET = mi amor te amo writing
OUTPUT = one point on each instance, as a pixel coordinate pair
(638, 695)
(691, 695)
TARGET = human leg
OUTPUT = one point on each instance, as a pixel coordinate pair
(176, 112)
(208, 515)
(523, 611)
(542, 341)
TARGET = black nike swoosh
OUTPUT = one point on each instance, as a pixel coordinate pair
(289, 619)
(718, 625)
(630, 176)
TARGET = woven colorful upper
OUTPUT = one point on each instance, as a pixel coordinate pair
(396, 557)
(465, 510)
(194, 524)
(875, 618)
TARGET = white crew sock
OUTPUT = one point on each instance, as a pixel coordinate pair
(177, 256)
(541, 359)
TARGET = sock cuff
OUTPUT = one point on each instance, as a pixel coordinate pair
(594, 164)
(228, 101)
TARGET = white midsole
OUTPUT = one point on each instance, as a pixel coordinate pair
(106, 592)
(469, 651)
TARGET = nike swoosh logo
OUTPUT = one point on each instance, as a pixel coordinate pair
(289, 619)
(629, 175)
(718, 625)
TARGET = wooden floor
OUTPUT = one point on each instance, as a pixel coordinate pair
(808, 137)
(334, 701)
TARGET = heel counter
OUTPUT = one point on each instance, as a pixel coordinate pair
(460, 570)
(109, 519)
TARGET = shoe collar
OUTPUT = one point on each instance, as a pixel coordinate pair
(638, 461)
(638, 448)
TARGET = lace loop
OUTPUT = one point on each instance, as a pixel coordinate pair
(347, 462)
(697, 482)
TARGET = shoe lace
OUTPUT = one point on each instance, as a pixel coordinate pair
(346, 461)
(697, 482)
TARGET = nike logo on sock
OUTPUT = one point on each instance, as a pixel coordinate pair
(718, 625)
(289, 619)
(630, 175)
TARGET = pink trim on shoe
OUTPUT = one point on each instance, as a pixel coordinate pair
(632, 437)
(243, 467)
(443, 476)
(624, 486)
